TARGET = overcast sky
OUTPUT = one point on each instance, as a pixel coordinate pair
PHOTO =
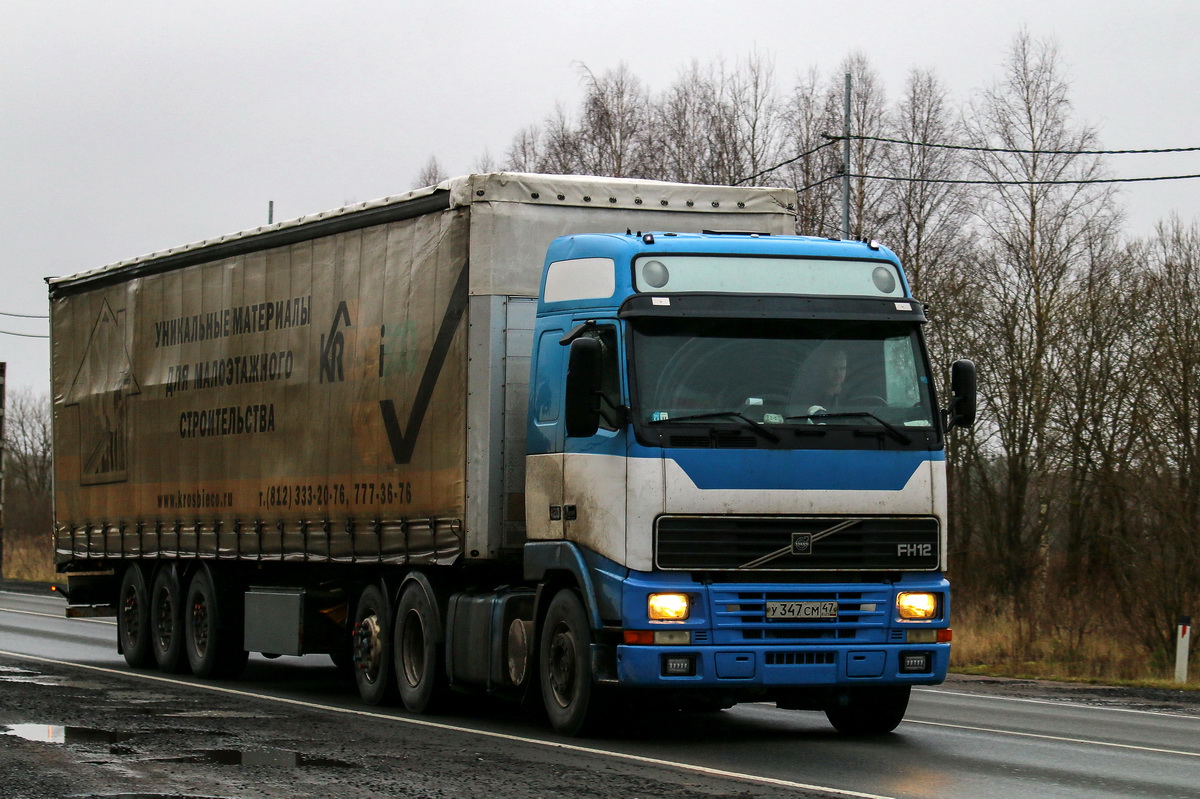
(128, 127)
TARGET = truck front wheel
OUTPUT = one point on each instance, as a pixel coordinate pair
(166, 621)
(869, 711)
(565, 666)
(372, 646)
(133, 618)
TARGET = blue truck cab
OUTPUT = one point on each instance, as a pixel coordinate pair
(736, 463)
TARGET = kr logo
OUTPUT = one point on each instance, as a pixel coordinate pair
(333, 347)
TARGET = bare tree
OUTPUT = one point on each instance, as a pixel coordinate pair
(680, 118)
(524, 153)
(1035, 237)
(816, 164)
(615, 124)
(1163, 556)
(485, 163)
(431, 174)
(28, 490)
(560, 152)
(928, 216)
(813, 116)
(869, 213)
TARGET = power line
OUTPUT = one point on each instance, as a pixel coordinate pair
(972, 148)
(25, 315)
(23, 335)
(1081, 182)
(784, 163)
(833, 139)
(819, 182)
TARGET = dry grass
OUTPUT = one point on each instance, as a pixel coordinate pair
(28, 557)
(1004, 646)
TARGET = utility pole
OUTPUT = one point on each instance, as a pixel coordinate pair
(270, 212)
(846, 164)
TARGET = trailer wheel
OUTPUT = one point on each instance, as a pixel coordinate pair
(372, 635)
(869, 711)
(166, 621)
(133, 618)
(213, 649)
(571, 698)
(418, 651)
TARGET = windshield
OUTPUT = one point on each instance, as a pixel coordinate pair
(773, 372)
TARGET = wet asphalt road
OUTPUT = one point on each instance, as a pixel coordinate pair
(290, 728)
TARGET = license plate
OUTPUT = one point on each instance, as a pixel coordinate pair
(802, 610)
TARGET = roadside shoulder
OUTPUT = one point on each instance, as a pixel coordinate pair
(1167, 700)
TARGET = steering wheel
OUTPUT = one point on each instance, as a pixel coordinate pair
(868, 400)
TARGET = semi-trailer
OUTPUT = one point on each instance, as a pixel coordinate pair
(527, 435)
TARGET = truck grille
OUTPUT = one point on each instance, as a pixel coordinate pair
(740, 616)
(814, 543)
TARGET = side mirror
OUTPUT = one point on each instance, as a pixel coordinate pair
(962, 387)
(582, 399)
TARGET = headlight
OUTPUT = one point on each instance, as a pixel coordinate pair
(668, 607)
(917, 605)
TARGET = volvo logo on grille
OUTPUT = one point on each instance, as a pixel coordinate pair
(802, 543)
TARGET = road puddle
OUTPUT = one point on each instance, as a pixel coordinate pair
(10, 674)
(261, 757)
(55, 734)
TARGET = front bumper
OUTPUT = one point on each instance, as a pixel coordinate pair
(780, 667)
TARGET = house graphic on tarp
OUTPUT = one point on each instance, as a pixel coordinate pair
(103, 381)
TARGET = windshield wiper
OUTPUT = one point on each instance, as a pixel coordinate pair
(755, 426)
(896, 432)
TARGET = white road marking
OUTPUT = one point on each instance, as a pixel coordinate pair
(55, 616)
(652, 761)
(1045, 737)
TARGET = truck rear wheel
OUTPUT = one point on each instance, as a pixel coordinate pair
(133, 618)
(372, 635)
(565, 666)
(869, 711)
(213, 649)
(418, 651)
(166, 621)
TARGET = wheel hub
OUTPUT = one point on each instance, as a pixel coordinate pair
(413, 649)
(368, 647)
(564, 669)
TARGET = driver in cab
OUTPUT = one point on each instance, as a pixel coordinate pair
(828, 381)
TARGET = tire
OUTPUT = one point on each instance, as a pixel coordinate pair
(418, 640)
(166, 621)
(372, 647)
(211, 640)
(571, 698)
(869, 711)
(133, 618)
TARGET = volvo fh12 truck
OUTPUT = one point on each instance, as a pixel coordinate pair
(599, 442)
